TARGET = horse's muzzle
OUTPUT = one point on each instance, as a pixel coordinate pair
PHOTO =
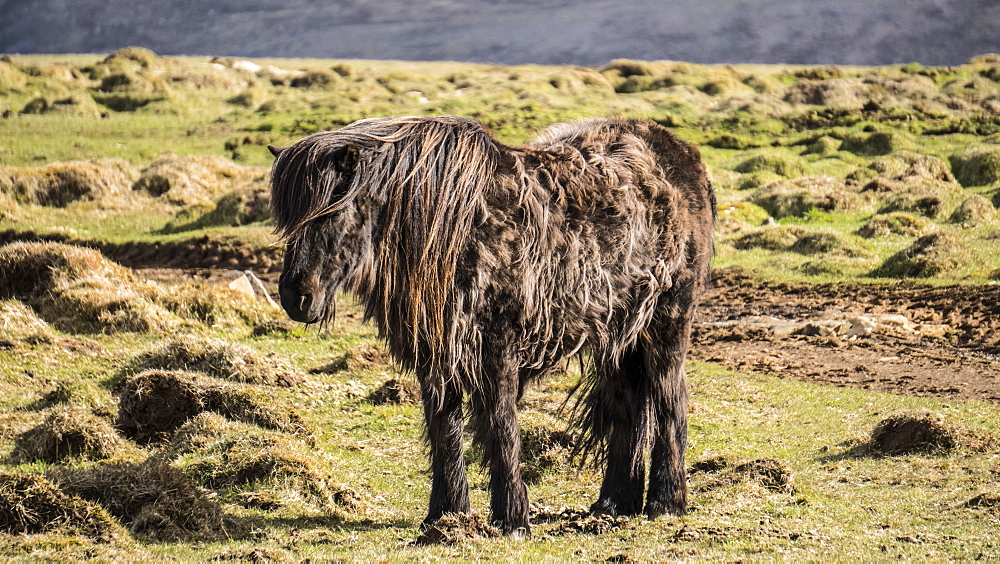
(301, 307)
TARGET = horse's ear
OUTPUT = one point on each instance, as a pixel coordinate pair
(275, 150)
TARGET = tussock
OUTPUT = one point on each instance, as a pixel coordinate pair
(107, 182)
(19, 323)
(70, 432)
(913, 432)
(156, 402)
(73, 105)
(218, 358)
(931, 255)
(186, 180)
(9, 209)
(794, 198)
(31, 504)
(720, 472)
(786, 166)
(908, 182)
(975, 211)
(263, 468)
(546, 446)
(875, 144)
(366, 356)
(897, 223)
(771, 238)
(395, 392)
(156, 501)
(78, 290)
(239, 207)
(977, 166)
(830, 243)
(456, 528)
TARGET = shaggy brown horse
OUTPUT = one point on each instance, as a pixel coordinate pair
(485, 265)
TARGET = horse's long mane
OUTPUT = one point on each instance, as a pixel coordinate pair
(423, 177)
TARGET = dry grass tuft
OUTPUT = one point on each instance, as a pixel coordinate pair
(978, 166)
(186, 180)
(156, 402)
(31, 504)
(218, 358)
(157, 501)
(70, 431)
(719, 472)
(239, 207)
(931, 255)
(366, 356)
(19, 323)
(975, 211)
(396, 392)
(78, 290)
(794, 198)
(456, 528)
(897, 223)
(267, 469)
(771, 238)
(108, 182)
(913, 432)
(546, 446)
(786, 166)
(828, 242)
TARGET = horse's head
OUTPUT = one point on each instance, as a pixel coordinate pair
(326, 231)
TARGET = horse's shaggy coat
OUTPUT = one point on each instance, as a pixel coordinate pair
(484, 265)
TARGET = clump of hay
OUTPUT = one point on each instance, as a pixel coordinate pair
(546, 446)
(261, 468)
(366, 356)
(70, 432)
(154, 403)
(794, 198)
(897, 223)
(875, 144)
(931, 255)
(187, 180)
(828, 242)
(720, 471)
(785, 166)
(9, 209)
(19, 323)
(978, 166)
(73, 105)
(914, 432)
(974, 211)
(771, 238)
(78, 290)
(107, 182)
(456, 528)
(31, 504)
(155, 500)
(218, 358)
(395, 392)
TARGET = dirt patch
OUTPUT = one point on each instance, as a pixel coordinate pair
(154, 403)
(456, 528)
(396, 392)
(31, 504)
(70, 431)
(927, 341)
(218, 358)
(155, 500)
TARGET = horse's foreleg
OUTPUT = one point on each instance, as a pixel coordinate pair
(449, 485)
(621, 414)
(495, 421)
(667, 477)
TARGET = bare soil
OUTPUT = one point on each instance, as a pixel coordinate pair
(947, 342)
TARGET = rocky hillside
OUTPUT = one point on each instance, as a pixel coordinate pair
(587, 32)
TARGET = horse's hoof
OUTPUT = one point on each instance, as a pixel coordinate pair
(654, 510)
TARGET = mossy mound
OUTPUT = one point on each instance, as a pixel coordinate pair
(187, 180)
(875, 144)
(456, 528)
(733, 218)
(155, 403)
(31, 504)
(395, 392)
(828, 243)
(70, 432)
(974, 211)
(827, 91)
(897, 223)
(218, 358)
(756, 180)
(913, 432)
(239, 207)
(978, 166)
(935, 254)
(254, 466)
(73, 105)
(155, 500)
(782, 165)
(546, 446)
(794, 198)
(78, 290)
(108, 182)
(823, 146)
(19, 323)
(907, 182)
(771, 238)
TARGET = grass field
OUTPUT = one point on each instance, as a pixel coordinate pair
(282, 452)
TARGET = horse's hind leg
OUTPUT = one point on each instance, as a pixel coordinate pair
(449, 485)
(669, 396)
(618, 413)
(494, 419)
